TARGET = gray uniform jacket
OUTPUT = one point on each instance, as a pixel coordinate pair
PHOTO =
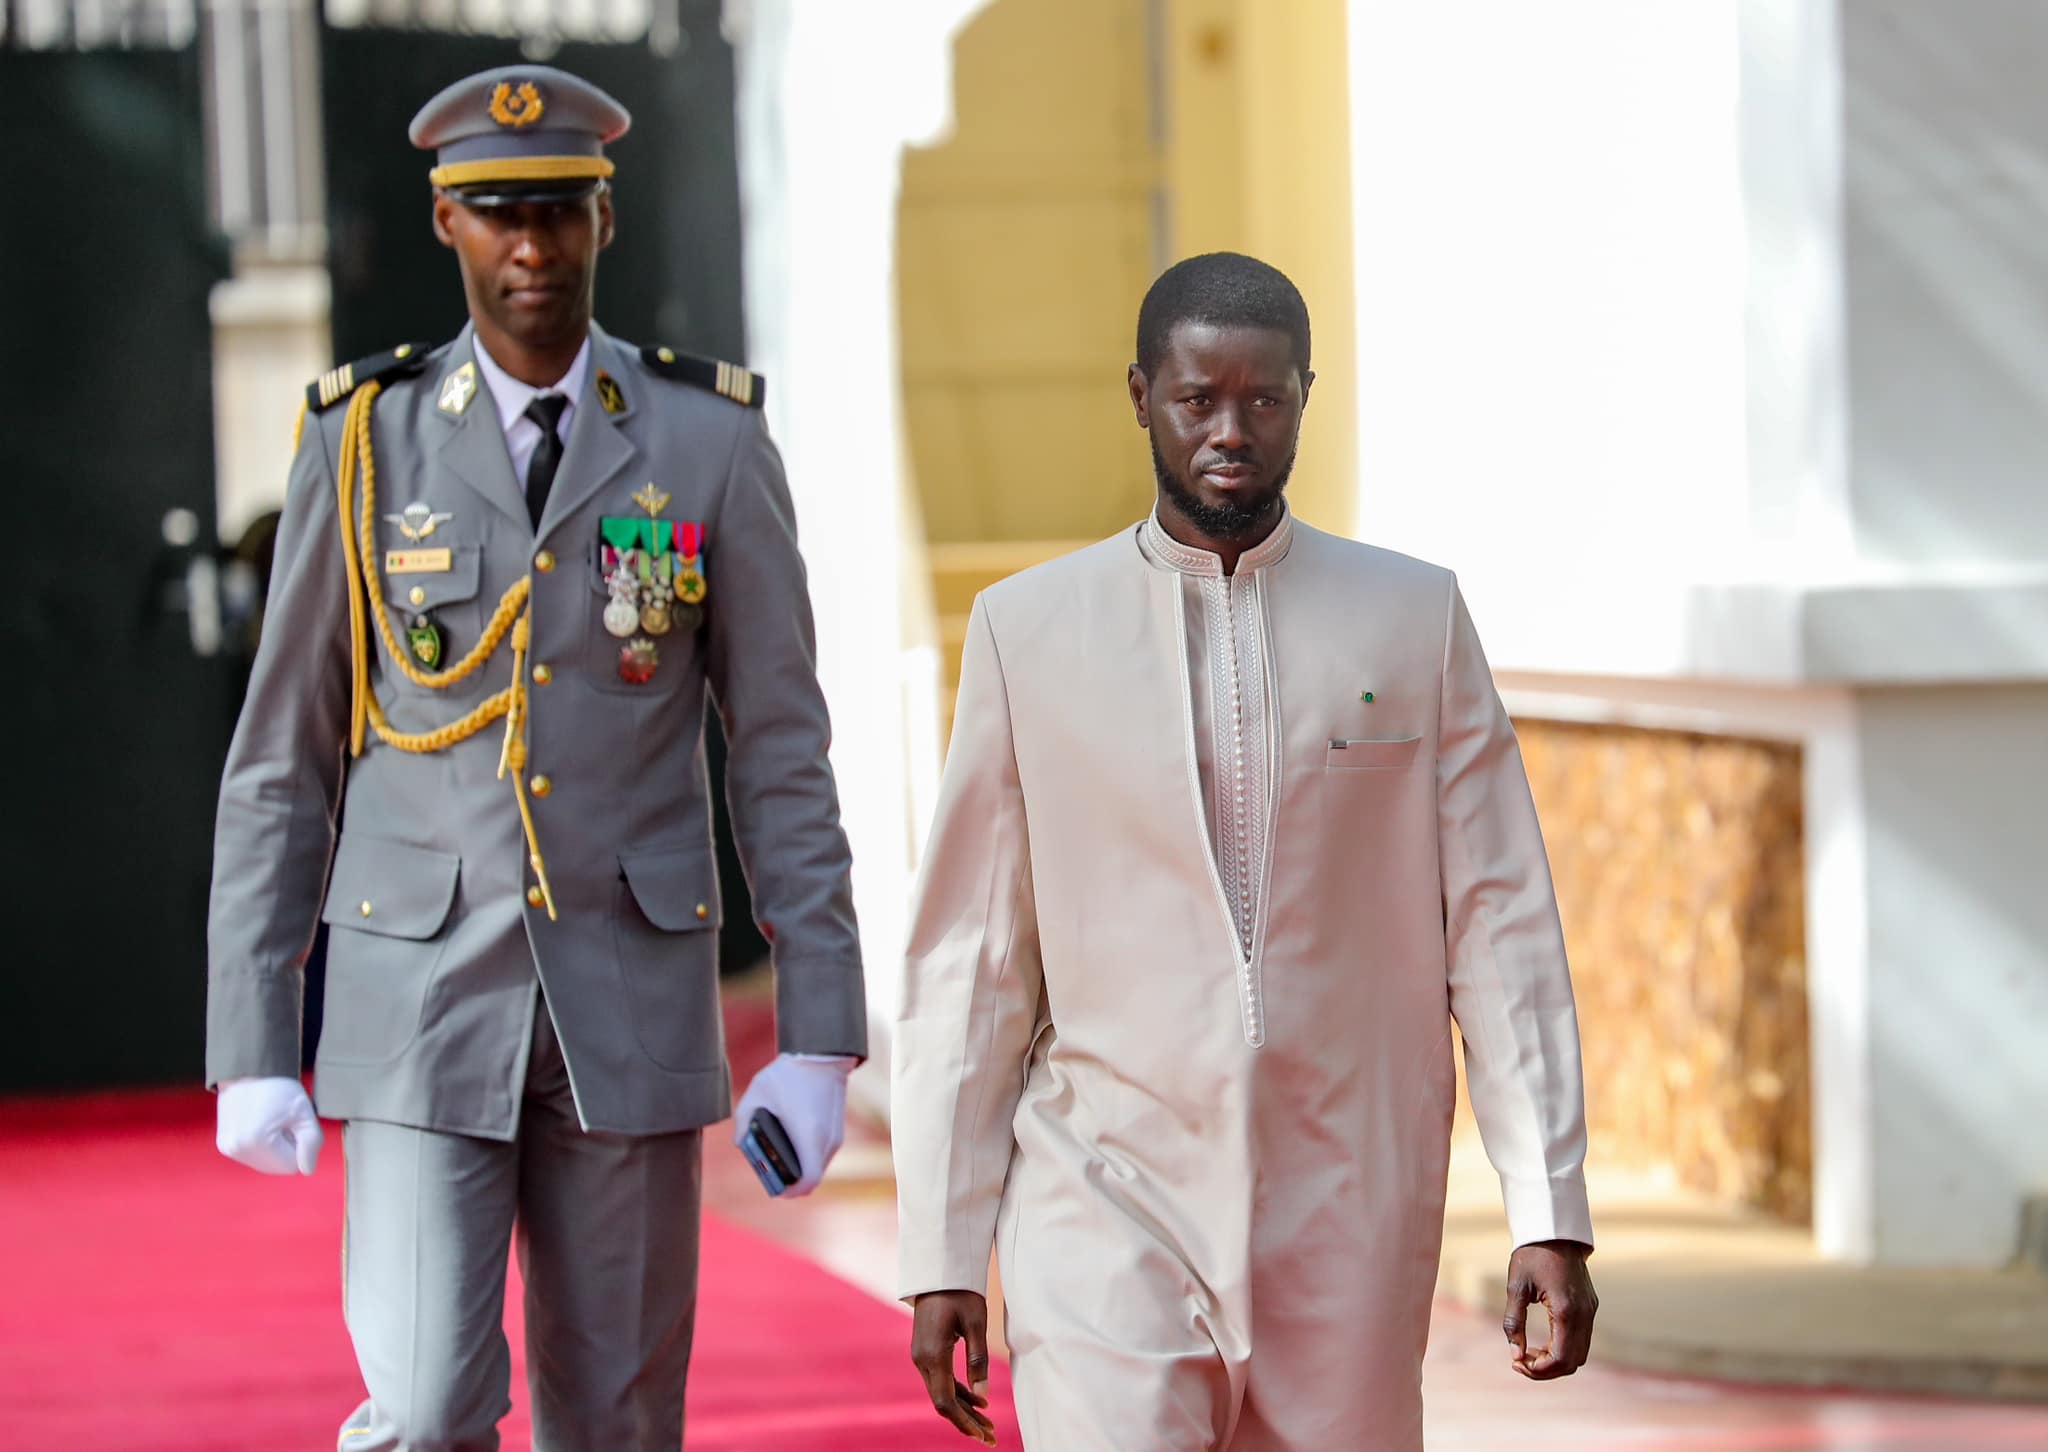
(435, 955)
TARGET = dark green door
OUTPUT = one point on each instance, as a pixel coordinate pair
(113, 728)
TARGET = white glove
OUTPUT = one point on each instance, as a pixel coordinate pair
(807, 1092)
(268, 1125)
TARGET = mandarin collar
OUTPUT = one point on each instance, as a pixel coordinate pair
(1164, 550)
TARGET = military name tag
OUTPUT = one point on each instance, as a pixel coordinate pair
(418, 562)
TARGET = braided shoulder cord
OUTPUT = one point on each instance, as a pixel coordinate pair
(513, 615)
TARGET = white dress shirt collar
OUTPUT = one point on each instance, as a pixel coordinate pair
(511, 396)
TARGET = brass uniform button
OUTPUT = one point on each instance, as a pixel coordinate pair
(542, 674)
(365, 908)
(544, 561)
(666, 355)
(403, 350)
(703, 912)
(418, 595)
(540, 786)
(534, 898)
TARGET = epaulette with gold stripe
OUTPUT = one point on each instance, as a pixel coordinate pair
(729, 380)
(336, 384)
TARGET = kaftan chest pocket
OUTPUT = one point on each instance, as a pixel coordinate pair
(1396, 754)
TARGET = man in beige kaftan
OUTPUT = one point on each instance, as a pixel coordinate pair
(1233, 825)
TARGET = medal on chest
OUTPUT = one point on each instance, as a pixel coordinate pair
(637, 661)
(622, 615)
(654, 581)
(690, 583)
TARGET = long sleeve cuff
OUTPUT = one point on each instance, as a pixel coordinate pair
(1552, 1209)
(821, 1007)
(941, 1268)
(252, 1026)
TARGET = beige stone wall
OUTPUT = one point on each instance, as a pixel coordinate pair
(1679, 877)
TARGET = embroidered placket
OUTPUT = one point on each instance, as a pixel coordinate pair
(1237, 774)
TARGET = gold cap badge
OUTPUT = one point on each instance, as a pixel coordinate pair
(522, 107)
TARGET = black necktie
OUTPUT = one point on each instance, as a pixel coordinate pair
(546, 410)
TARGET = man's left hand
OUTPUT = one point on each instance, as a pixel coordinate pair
(807, 1092)
(1551, 1273)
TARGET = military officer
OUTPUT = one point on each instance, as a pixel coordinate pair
(510, 571)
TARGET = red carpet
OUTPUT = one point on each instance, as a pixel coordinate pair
(155, 1298)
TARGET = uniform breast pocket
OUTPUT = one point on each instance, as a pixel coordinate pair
(431, 595)
(387, 903)
(1396, 754)
(666, 919)
(634, 648)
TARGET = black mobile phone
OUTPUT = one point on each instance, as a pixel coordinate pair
(767, 1148)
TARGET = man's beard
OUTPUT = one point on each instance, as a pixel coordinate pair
(1240, 519)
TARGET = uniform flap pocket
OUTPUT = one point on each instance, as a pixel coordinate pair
(676, 887)
(390, 888)
(425, 577)
(1371, 755)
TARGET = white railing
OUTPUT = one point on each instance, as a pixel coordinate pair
(97, 24)
(541, 21)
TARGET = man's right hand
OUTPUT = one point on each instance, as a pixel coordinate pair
(268, 1125)
(941, 1319)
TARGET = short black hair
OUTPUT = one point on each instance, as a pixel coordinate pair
(1225, 290)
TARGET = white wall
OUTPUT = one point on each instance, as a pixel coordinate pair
(1705, 342)
(1953, 783)
(1549, 268)
(1946, 209)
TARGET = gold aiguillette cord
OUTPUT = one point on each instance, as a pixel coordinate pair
(513, 616)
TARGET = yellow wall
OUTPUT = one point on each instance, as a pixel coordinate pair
(1024, 244)
(1258, 160)
(1027, 239)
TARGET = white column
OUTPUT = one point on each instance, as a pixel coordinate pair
(828, 96)
(1838, 985)
(270, 335)
(1801, 527)
(1796, 385)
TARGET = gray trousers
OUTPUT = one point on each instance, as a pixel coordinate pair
(607, 1234)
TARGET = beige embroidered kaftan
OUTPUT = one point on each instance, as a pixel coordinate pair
(1202, 1111)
